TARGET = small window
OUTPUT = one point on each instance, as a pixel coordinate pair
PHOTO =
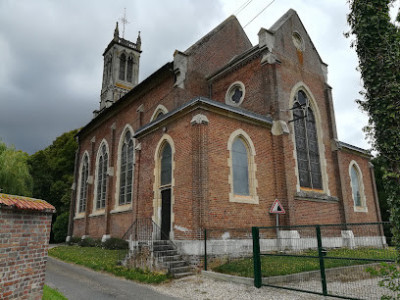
(235, 94)
(83, 185)
(126, 174)
(355, 186)
(122, 66)
(166, 165)
(102, 178)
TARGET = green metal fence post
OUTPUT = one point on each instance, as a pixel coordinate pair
(256, 256)
(205, 249)
(321, 261)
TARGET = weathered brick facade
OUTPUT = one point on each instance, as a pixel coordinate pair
(25, 226)
(197, 89)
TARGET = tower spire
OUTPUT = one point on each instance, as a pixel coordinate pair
(116, 33)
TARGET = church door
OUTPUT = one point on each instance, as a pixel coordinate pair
(165, 213)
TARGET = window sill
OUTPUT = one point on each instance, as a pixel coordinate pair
(243, 199)
(97, 213)
(315, 195)
(79, 216)
(363, 209)
(121, 208)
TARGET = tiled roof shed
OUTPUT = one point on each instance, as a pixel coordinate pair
(25, 203)
(25, 225)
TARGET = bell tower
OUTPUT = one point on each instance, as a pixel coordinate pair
(121, 68)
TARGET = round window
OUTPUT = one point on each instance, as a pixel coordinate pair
(235, 94)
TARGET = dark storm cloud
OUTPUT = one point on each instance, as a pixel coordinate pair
(50, 77)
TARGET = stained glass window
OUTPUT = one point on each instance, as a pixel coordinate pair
(102, 178)
(126, 174)
(83, 184)
(308, 160)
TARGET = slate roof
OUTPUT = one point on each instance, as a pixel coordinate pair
(25, 203)
(207, 102)
(354, 148)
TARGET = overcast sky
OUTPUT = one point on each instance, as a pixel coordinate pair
(51, 55)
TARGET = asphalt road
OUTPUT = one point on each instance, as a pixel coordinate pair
(79, 283)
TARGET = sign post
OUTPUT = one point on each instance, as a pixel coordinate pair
(277, 209)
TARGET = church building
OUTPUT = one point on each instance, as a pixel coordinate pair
(214, 137)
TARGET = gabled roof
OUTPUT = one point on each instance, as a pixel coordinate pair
(232, 20)
(282, 20)
(25, 203)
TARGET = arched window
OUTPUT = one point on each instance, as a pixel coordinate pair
(308, 160)
(355, 185)
(158, 112)
(126, 173)
(122, 65)
(242, 177)
(357, 188)
(166, 165)
(240, 166)
(83, 184)
(102, 166)
(129, 69)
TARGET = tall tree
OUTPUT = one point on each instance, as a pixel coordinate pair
(14, 171)
(52, 170)
(377, 43)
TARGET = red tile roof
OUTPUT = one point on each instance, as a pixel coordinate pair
(25, 203)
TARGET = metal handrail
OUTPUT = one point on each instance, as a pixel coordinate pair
(143, 231)
(126, 234)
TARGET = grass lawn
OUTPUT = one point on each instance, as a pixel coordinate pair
(284, 265)
(104, 260)
(51, 294)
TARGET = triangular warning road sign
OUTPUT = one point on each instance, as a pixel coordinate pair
(277, 208)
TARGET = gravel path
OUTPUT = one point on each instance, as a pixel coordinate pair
(200, 287)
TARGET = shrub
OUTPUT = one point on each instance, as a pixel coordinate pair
(89, 242)
(60, 227)
(115, 244)
(74, 240)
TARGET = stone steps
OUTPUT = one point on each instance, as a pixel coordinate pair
(167, 254)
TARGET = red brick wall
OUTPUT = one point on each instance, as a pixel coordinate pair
(363, 163)
(24, 240)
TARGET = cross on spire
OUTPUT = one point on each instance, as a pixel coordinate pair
(124, 21)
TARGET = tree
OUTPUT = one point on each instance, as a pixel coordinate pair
(14, 171)
(377, 43)
(52, 170)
